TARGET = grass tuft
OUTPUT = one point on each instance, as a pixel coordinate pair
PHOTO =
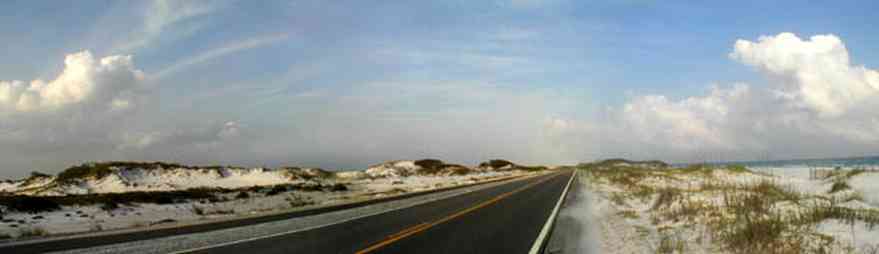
(838, 186)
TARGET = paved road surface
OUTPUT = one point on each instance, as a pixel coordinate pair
(477, 222)
(501, 219)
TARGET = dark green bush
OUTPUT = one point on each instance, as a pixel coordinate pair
(496, 163)
(429, 166)
(277, 189)
(36, 174)
(338, 187)
(29, 204)
(109, 200)
(242, 195)
(77, 173)
(838, 186)
(110, 206)
(453, 169)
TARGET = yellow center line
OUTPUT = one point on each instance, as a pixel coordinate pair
(424, 226)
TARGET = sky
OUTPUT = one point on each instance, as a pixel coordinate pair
(347, 84)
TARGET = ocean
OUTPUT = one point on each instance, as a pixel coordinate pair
(855, 162)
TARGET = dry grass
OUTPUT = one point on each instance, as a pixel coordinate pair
(670, 243)
(838, 186)
(741, 217)
(34, 231)
(628, 214)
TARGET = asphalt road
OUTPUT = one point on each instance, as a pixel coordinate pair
(502, 219)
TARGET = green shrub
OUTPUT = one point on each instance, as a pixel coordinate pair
(32, 232)
(737, 168)
(758, 235)
(101, 169)
(34, 177)
(277, 189)
(36, 174)
(242, 195)
(497, 163)
(667, 196)
(36, 204)
(670, 244)
(838, 186)
(338, 187)
(110, 206)
(453, 169)
(29, 204)
(76, 173)
(434, 166)
(198, 210)
(534, 168)
(429, 166)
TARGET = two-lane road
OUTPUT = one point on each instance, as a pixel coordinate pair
(504, 219)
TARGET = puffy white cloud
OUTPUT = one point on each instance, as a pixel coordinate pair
(690, 123)
(814, 73)
(97, 108)
(816, 103)
(112, 82)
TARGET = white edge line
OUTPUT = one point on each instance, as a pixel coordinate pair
(318, 226)
(535, 248)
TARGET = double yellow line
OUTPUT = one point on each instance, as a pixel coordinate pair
(424, 226)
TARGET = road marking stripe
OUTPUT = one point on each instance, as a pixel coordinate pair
(535, 248)
(323, 225)
(416, 227)
(422, 227)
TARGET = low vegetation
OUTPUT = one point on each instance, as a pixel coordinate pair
(101, 169)
(498, 164)
(434, 167)
(32, 232)
(740, 211)
(29, 204)
(110, 201)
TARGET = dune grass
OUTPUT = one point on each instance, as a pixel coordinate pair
(760, 216)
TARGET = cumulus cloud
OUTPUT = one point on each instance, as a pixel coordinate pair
(688, 124)
(815, 103)
(111, 82)
(96, 108)
(815, 73)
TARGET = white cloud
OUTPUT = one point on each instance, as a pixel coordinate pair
(814, 73)
(111, 82)
(686, 124)
(160, 16)
(804, 111)
(203, 136)
(97, 109)
(220, 52)
(816, 104)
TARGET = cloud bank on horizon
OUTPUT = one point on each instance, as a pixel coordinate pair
(316, 93)
(816, 100)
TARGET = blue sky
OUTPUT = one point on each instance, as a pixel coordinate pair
(344, 84)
